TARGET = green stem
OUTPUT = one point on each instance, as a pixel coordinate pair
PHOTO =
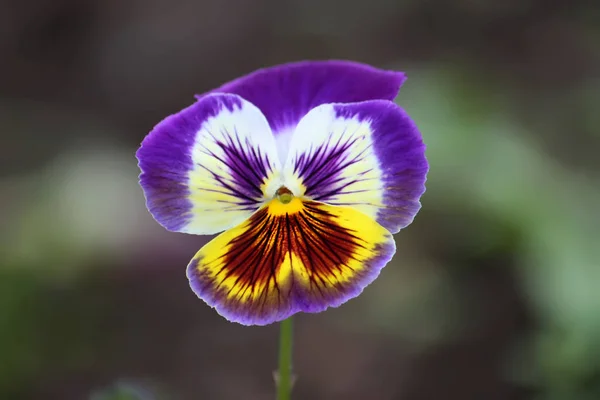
(284, 375)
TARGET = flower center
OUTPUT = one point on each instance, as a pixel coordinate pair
(284, 195)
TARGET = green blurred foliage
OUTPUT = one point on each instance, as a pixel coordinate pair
(122, 391)
(482, 159)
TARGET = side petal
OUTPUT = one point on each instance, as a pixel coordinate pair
(205, 169)
(285, 93)
(301, 256)
(367, 155)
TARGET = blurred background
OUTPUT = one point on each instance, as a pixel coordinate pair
(494, 292)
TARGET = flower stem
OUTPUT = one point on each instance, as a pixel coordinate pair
(284, 376)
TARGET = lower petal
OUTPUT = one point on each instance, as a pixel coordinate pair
(301, 256)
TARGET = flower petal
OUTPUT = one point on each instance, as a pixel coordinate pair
(367, 155)
(205, 169)
(301, 256)
(285, 93)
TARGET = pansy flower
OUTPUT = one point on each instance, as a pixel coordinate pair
(307, 169)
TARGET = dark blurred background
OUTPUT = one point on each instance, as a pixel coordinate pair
(494, 292)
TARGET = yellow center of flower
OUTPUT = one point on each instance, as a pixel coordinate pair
(284, 203)
(284, 195)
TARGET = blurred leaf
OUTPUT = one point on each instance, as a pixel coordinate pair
(124, 391)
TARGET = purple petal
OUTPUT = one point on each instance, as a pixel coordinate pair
(285, 93)
(204, 169)
(367, 155)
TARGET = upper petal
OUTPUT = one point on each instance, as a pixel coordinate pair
(205, 169)
(285, 93)
(367, 155)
